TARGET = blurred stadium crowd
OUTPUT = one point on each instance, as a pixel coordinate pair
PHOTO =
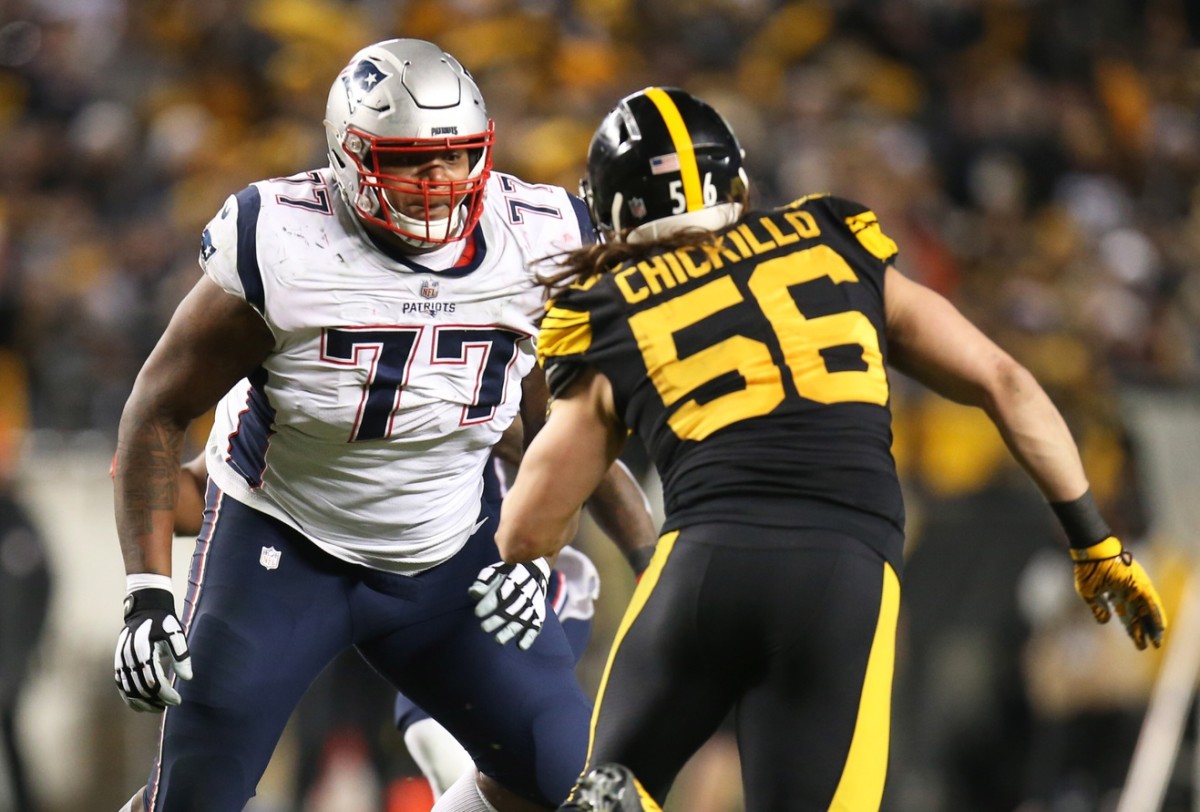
(1038, 161)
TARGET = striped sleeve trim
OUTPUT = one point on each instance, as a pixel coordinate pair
(249, 205)
(564, 333)
(865, 226)
(587, 231)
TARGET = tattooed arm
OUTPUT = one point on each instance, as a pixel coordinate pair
(214, 339)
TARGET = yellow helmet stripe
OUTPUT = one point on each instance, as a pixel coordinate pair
(683, 146)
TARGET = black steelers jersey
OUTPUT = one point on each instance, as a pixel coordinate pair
(753, 369)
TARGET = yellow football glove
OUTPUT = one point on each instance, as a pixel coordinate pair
(1107, 578)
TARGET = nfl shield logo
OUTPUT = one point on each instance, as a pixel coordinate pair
(269, 558)
(429, 289)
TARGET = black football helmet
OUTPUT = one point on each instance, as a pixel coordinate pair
(663, 160)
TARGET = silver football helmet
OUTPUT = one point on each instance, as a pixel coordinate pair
(407, 96)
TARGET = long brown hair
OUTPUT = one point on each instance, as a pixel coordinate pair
(578, 266)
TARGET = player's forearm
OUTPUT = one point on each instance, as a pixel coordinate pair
(189, 502)
(1036, 433)
(528, 529)
(563, 466)
(620, 509)
(146, 483)
(541, 512)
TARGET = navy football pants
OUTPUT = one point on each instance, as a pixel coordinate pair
(259, 637)
(407, 713)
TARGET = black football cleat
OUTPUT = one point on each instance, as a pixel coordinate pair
(605, 788)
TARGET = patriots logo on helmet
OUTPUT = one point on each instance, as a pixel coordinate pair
(360, 80)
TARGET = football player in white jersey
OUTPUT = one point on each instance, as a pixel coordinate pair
(572, 590)
(366, 332)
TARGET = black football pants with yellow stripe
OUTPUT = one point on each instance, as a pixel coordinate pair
(792, 629)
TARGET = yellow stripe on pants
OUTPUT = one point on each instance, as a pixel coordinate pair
(861, 786)
(645, 586)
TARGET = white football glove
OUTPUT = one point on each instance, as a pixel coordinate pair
(151, 641)
(512, 600)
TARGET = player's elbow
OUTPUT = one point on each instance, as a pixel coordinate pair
(524, 541)
(1008, 383)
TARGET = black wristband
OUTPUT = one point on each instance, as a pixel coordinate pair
(639, 558)
(149, 598)
(1082, 521)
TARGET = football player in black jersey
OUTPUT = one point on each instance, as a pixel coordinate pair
(749, 350)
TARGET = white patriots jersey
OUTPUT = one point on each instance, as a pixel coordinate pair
(368, 426)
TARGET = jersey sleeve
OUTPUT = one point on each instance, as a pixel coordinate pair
(587, 229)
(563, 341)
(229, 248)
(559, 219)
(218, 249)
(864, 225)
